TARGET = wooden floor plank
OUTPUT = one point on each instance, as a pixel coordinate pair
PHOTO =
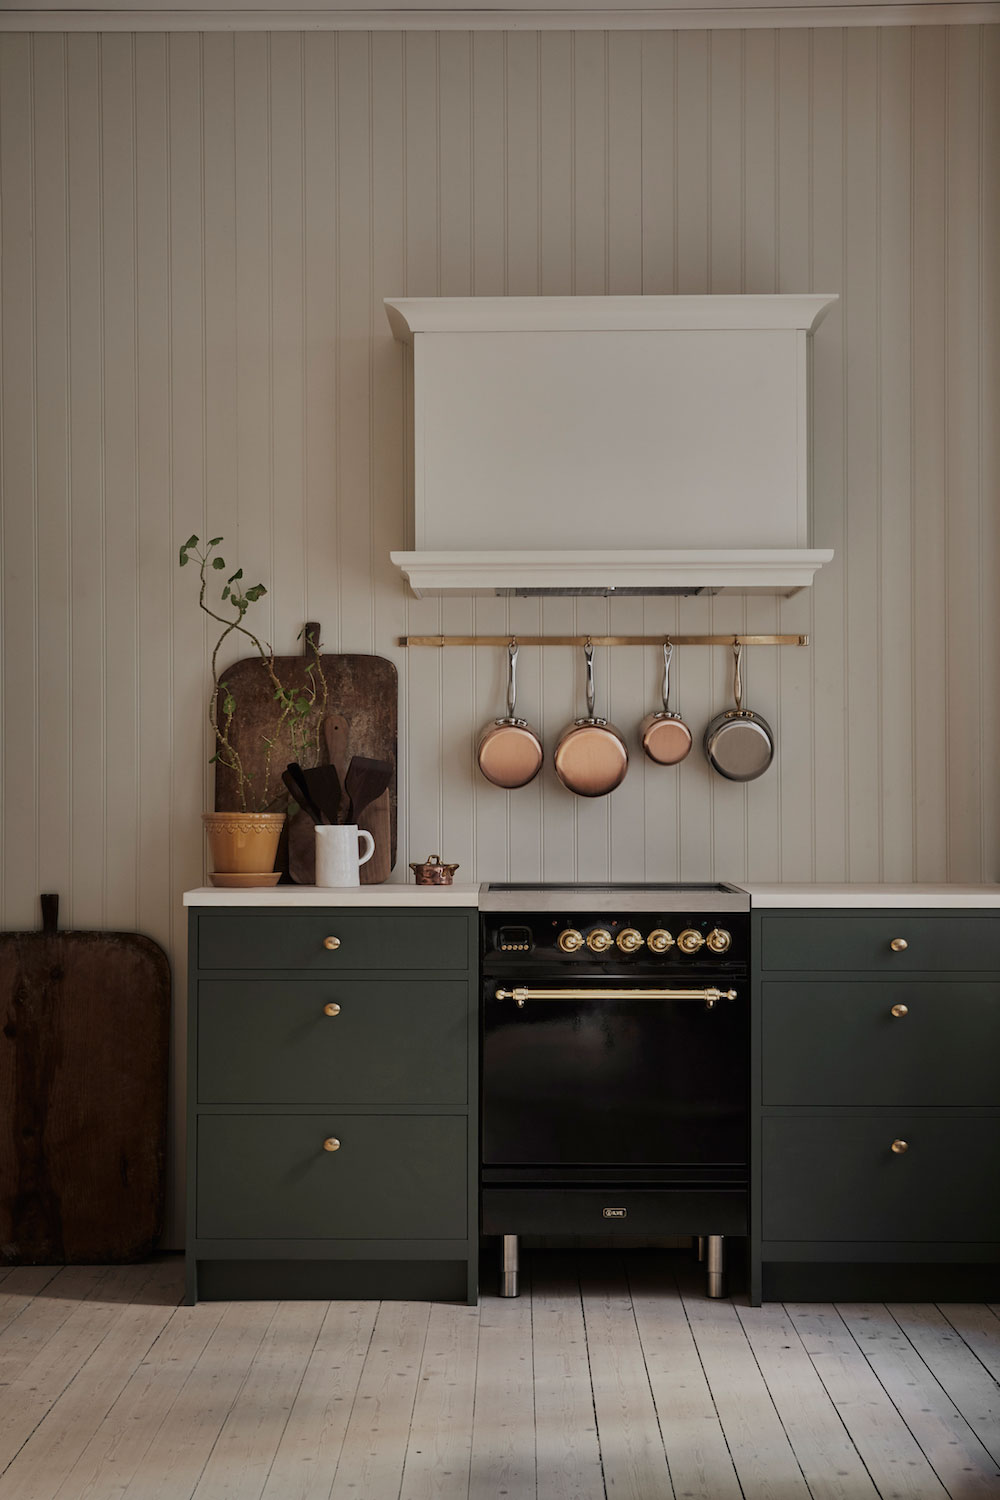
(57, 1442)
(568, 1455)
(310, 1446)
(439, 1451)
(632, 1452)
(41, 1313)
(697, 1452)
(888, 1449)
(174, 1461)
(118, 1448)
(42, 1380)
(374, 1449)
(980, 1328)
(21, 1285)
(956, 1368)
(242, 1457)
(820, 1441)
(761, 1453)
(949, 1443)
(503, 1423)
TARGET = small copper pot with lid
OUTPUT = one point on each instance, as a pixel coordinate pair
(591, 757)
(665, 737)
(433, 871)
(510, 752)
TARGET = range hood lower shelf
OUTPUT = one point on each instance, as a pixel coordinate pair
(775, 571)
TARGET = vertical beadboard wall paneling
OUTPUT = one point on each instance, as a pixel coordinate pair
(828, 745)
(52, 600)
(17, 467)
(964, 565)
(894, 292)
(989, 441)
(161, 586)
(216, 222)
(929, 396)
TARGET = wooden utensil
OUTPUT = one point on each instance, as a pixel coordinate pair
(336, 736)
(366, 779)
(84, 1025)
(326, 791)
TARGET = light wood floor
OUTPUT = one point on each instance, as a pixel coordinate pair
(607, 1377)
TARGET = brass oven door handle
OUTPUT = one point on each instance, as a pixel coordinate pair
(710, 996)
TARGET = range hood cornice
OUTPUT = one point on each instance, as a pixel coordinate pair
(640, 431)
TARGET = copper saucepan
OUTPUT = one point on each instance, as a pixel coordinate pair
(510, 752)
(665, 737)
(591, 757)
(739, 744)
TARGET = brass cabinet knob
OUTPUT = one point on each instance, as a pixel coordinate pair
(690, 941)
(899, 1010)
(570, 940)
(629, 939)
(899, 945)
(600, 940)
(332, 943)
(899, 1147)
(719, 940)
(659, 940)
(332, 1144)
(333, 1009)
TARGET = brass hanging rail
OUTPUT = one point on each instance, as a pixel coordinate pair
(603, 640)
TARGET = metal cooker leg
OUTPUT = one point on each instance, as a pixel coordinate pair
(509, 1266)
(716, 1265)
(699, 1245)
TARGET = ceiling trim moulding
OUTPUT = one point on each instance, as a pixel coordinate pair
(661, 18)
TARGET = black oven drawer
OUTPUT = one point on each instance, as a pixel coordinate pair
(632, 1212)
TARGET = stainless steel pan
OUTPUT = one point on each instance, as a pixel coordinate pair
(739, 744)
(666, 739)
(591, 757)
(510, 752)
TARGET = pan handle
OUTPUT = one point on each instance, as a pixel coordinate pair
(737, 675)
(512, 650)
(668, 652)
(588, 652)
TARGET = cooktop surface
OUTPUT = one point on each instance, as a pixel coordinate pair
(633, 896)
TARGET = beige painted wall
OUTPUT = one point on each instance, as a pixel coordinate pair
(197, 233)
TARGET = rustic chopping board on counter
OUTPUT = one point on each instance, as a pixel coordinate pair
(362, 694)
(84, 1032)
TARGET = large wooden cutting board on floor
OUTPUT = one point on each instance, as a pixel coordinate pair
(363, 690)
(84, 1021)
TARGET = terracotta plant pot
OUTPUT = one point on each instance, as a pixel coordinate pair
(243, 843)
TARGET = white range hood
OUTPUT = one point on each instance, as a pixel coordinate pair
(610, 445)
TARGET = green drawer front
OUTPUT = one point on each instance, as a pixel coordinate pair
(276, 940)
(394, 1177)
(392, 1042)
(837, 1179)
(826, 941)
(837, 1042)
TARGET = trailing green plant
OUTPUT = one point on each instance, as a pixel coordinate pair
(298, 711)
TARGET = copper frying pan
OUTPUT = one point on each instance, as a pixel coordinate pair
(665, 737)
(591, 757)
(510, 752)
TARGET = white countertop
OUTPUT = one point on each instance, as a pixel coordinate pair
(874, 896)
(762, 896)
(349, 895)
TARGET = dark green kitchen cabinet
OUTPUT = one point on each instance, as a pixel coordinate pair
(875, 1104)
(332, 1088)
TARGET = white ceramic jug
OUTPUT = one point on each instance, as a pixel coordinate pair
(337, 859)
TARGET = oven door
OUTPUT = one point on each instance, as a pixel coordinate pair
(615, 1074)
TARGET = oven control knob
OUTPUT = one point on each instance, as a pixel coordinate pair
(600, 940)
(570, 940)
(659, 940)
(629, 939)
(719, 940)
(690, 940)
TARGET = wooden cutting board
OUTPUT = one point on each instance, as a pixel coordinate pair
(84, 1023)
(364, 690)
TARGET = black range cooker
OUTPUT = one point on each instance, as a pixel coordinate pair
(615, 1063)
